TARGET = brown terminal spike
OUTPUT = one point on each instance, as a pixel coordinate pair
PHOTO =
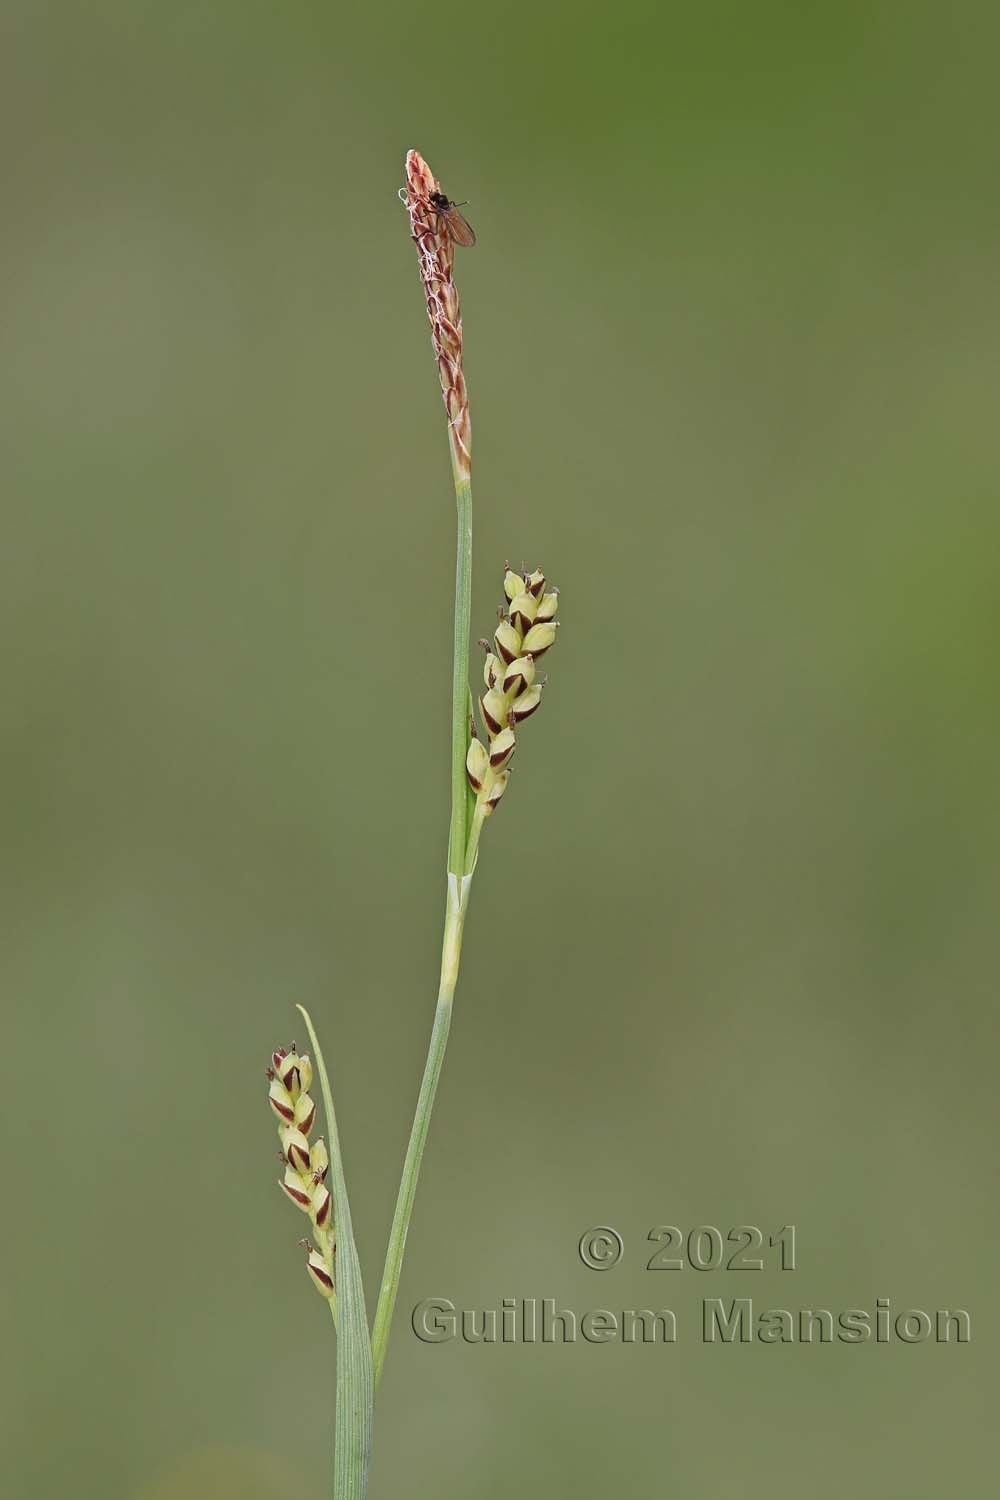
(429, 231)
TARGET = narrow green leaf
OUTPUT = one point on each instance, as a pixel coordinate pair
(355, 1386)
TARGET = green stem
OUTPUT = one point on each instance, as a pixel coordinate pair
(458, 900)
(452, 947)
(355, 1386)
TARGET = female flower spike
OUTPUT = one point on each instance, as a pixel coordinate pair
(306, 1162)
(526, 630)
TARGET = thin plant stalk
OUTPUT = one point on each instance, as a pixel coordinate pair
(459, 881)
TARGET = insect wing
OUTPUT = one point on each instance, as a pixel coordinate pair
(459, 227)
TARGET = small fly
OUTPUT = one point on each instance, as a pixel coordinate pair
(457, 224)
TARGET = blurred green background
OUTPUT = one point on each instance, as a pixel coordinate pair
(732, 344)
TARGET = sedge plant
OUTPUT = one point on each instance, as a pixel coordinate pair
(510, 692)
